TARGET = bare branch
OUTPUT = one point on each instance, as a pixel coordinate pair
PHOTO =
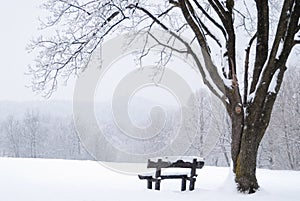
(290, 32)
(175, 3)
(110, 18)
(263, 98)
(209, 33)
(214, 74)
(202, 42)
(150, 15)
(227, 21)
(247, 69)
(167, 11)
(262, 40)
(186, 13)
(76, 6)
(281, 29)
(217, 6)
(210, 18)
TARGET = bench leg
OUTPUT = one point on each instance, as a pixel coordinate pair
(157, 185)
(149, 184)
(183, 184)
(192, 184)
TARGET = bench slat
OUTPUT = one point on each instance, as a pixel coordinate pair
(145, 177)
(177, 164)
(184, 176)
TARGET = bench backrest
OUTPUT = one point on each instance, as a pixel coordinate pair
(177, 164)
(159, 164)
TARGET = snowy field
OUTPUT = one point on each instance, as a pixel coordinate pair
(62, 180)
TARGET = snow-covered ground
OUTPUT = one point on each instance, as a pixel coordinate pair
(62, 180)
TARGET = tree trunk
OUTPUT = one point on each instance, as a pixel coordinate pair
(245, 167)
(253, 129)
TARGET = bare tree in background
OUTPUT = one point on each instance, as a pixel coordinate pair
(197, 123)
(31, 129)
(12, 129)
(197, 128)
(222, 122)
(213, 25)
(282, 142)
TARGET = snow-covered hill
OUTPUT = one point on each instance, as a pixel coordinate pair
(62, 180)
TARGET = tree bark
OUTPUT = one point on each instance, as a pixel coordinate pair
(236, 136)
(245, 166)
(256, 121)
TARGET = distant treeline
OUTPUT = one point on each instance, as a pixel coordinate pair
(47, 130)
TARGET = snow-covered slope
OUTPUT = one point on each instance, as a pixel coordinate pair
(61, 180)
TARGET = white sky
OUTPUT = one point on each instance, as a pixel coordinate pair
(19, 22)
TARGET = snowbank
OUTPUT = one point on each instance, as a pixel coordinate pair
(62, 180)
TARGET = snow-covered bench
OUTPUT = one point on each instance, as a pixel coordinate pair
(163, 163)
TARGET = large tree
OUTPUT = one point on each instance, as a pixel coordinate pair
(215, 26)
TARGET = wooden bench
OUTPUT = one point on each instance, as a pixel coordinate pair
(159, 164)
